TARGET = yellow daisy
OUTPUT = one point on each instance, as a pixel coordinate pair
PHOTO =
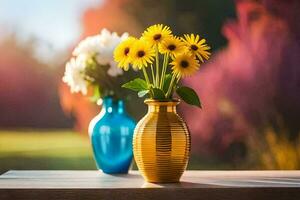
(197, 46)
(156, 34)
(185, 65)
(173, 46)
(121, 53)
(141, 54)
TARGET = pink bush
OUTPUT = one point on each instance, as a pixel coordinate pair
(255, 78)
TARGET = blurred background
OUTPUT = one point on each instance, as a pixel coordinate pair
(250, 88)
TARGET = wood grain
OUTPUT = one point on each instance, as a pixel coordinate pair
(208, 185)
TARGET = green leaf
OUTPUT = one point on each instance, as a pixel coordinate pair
(189, 96)
(143, 93)
(158, 93)
(137, 85)
(167, 81)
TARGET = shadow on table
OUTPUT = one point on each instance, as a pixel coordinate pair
(125, 175)
(182, 184)
(137, 178)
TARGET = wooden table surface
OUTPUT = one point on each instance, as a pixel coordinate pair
(208, 185)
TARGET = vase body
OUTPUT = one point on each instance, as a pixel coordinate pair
(111, 135)
(161, 143)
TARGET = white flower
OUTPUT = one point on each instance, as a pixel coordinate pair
(74, 74)
(108, 43)
(88, 46)
(114, 70)
(100, 47)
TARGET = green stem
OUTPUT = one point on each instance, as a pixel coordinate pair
(146, 76)
(152, 73)
(107, 84)
(163, 73)
(178, 79)
(157, 66)
(148, 82)
(171, 86)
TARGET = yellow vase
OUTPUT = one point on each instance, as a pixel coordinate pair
(161, 143)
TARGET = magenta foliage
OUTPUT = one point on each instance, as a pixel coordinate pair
(251, 81)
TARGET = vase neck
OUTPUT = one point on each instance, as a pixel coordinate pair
(121, 107)
(156, 106)
(111, 105)
(108, 104)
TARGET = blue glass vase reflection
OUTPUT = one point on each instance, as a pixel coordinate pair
(111, 135)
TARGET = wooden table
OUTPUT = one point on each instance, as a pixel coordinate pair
(94, 185)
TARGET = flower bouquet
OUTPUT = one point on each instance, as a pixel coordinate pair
(92, 67)
(161, 140)
(182, 55)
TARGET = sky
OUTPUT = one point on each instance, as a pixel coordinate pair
(55, 23)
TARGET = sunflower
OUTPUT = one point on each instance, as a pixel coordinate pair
(197, 46)
(141, 54)
(185, 65)
(121, 53)
(172, 45)
(155, 34)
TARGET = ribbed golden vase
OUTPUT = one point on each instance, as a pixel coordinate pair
(161, 143)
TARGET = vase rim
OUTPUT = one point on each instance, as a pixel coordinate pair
(162, 102)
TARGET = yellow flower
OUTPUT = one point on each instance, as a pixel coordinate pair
(156, 34)
(185, 65)
(141, 54)
(173, 46)
(121, 53)
(197, 46)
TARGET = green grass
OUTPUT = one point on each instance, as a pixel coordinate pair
(63, 144)
(57, 149)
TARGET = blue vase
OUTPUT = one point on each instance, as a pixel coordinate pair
(111, 133)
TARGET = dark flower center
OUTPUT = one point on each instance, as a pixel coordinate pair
(184, 64)
(194, 47)
(140, 53)
(171, 47)
(157, 36)
(126, 51)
